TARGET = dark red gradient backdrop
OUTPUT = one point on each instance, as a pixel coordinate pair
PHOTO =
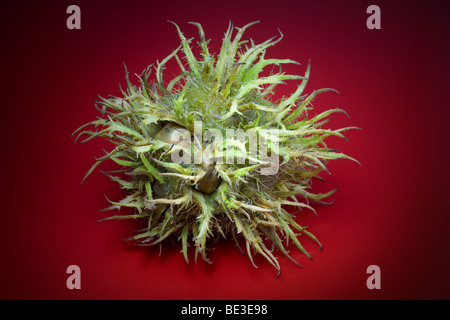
(392, 211)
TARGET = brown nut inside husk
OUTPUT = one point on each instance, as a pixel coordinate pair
(210, 181)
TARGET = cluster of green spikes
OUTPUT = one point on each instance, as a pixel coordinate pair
(196, 202)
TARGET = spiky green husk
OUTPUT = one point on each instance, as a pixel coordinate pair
(224, 92)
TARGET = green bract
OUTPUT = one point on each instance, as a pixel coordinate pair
(206, 198)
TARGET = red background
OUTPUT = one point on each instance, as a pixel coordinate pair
(392, 211)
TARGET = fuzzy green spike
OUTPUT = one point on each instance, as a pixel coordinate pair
(203, 42)
(183, 189)
(160, 66)
(193, 64)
